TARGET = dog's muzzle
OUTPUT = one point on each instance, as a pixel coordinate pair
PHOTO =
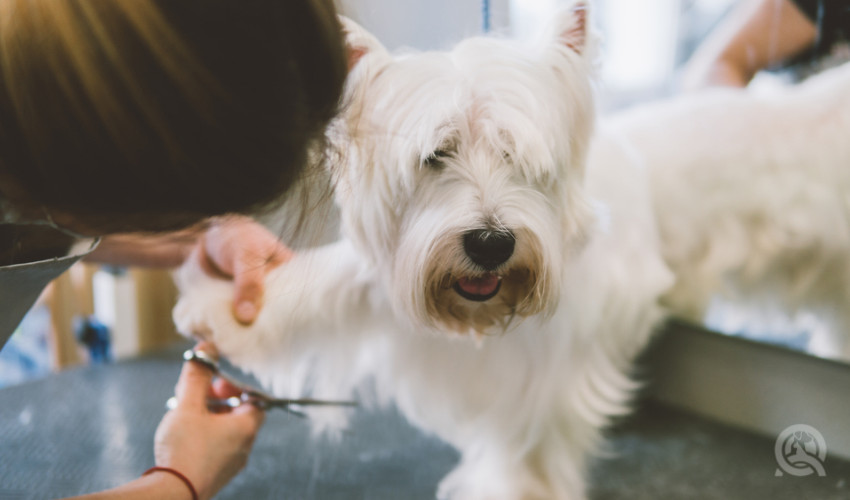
(480, 278)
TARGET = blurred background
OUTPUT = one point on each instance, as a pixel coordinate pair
(644, 42)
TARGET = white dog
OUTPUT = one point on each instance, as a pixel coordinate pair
(752, 195)
(484, 281)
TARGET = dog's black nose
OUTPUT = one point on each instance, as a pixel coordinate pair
(488, 249)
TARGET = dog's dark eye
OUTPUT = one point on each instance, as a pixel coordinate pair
(436, 159)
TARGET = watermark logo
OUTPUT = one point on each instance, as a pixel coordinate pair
(800, 451)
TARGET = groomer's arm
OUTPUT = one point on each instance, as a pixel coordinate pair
(208, 449)
(161, 486)
(757, 34)
(234, 248)
(146, 250)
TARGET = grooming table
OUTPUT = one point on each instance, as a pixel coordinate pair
(92, 428)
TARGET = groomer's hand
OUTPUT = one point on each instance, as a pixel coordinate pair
(240, 249)
(208, 448)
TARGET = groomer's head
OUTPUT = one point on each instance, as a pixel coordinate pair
(149, 115)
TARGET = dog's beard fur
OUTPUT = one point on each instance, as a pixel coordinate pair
(523, 290)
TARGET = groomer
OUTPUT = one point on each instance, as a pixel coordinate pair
(130, 131)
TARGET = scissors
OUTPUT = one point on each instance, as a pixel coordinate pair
(248, 394)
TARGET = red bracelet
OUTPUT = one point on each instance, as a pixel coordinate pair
(177, 475)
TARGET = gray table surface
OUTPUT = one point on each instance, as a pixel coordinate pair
(92, 428)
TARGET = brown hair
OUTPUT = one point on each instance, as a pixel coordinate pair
(153, 114)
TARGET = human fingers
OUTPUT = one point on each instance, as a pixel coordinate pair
(248, 283)
(244, 251)
(222, 389)
(193, 386)
(250, 268)
(250, 417)
(260, 254)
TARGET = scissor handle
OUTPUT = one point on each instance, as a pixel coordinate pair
(198, 356)
(213, 404)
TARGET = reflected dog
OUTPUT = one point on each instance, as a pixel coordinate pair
(752, 196)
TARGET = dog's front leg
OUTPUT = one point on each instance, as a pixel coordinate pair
(320, 293)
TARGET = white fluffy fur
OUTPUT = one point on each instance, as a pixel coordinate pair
(752, 195)
(521, 384)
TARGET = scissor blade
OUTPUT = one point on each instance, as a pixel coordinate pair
(320, 402)
(287, 403)
(251, 395)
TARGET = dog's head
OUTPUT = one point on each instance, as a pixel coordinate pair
(462, 171)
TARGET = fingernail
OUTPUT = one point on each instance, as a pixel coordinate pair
(246, 312)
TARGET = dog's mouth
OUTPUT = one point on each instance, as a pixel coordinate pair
(478, 289)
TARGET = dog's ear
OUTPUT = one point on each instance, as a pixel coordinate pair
(359, 42)
(573, 28)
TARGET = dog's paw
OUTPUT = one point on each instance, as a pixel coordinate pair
(194, 316)
(461, 485)
(470, 481)
(473, 480)
(205, 310)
